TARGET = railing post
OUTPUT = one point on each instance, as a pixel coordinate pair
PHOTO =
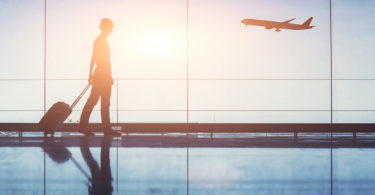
(355, 136)
(19, 136)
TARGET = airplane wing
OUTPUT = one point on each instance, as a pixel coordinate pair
(289, 20)
(268, 27)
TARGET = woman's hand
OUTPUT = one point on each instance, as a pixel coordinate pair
(90, 79)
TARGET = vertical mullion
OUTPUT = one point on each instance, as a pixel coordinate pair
(331, 61)
(187, 61)
(187, 94)
(45, 57)
(117, 98)
(331, 71)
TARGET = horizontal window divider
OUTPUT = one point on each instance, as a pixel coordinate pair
(193, 79)
(21, 79)
(140, 110)
(73, 110)
(171, 110)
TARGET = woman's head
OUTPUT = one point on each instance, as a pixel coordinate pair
(106, 25)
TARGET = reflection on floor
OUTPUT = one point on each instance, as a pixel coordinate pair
(247, 163)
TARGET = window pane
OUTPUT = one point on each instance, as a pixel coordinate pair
(152, 116)
(21, 116)
(353, 39)
(222, 47)
(68, 90)
(149, 37)
(259, 101)
(354, 116)
(354, 95)
(152, 95)
(21, 95)
(353, 101)
(22, 35)
(259, 95)
(259, 116)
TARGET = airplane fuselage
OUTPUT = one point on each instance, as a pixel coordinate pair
(278, 25)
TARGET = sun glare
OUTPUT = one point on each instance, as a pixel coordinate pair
(157, 44)
(143, 51)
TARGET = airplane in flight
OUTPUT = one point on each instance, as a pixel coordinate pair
(279, 25)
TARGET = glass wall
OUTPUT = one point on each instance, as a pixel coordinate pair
(21, 60)
(353, 61)
(192, 61)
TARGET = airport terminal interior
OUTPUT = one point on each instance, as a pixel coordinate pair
(214, 97)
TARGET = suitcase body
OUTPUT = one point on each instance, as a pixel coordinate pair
(54, 117)
(57, 114)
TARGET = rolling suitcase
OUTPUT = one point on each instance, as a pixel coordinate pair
(57, 114)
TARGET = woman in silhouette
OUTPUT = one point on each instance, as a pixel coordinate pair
(101, 80)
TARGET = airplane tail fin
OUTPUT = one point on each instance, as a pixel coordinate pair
(307, 23)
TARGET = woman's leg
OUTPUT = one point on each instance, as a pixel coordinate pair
(87, 109)
(105, 103)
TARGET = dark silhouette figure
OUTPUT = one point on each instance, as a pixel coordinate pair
(101, 81)
(101, 177)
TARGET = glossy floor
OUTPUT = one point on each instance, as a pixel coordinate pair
(154, 164)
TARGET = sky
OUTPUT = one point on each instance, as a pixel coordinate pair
(149, 42)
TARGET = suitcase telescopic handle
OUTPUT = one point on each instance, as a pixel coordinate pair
(80, 96)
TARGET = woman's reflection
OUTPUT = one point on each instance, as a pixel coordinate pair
(101, 177)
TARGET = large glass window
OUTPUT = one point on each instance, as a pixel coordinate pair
(251, 74)
(21, 60)
(353, 61)
(236, 73)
